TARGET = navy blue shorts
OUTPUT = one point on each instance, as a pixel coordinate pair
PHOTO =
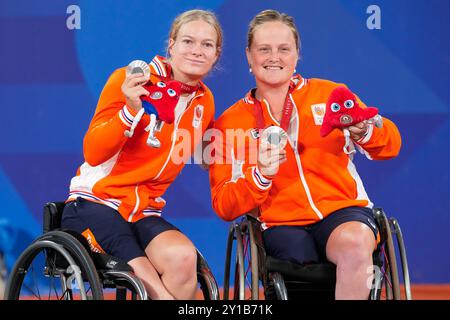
(307, 244)
(107, 230)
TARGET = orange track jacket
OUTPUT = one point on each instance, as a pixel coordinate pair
(317, 179)
(124, 173)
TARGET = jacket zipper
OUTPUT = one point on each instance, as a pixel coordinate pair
(138, 202)
(136, 207)
(299, 167)
(174, 135)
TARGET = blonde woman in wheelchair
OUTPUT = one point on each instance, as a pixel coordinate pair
(116, 199)
(311, 200)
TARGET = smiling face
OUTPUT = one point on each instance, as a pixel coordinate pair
(193, 51)
(273, 54)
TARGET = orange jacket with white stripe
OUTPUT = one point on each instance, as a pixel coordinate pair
(125, 173)
(318, 177)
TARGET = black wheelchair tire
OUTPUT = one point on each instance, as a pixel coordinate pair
(76, 250)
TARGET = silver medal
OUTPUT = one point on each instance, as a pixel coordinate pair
(138, 66)
(275, 136)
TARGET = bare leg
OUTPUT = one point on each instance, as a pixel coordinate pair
(144, 270)
(350, 247)
(175, 258)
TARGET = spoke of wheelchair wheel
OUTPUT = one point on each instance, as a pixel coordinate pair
(32, 292)
(245, 240)
(246, 279)
(50, 288)
(36, 283)
(63, 295)
(247, 254)
(52, 266)
(246, 274)
(56, 293)
(387, 268)
(388, 282)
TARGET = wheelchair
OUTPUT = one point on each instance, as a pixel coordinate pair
(3, 274)
(283, 280)
(60, 265)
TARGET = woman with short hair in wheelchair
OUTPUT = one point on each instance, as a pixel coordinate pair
(115, 198)
(311, 200)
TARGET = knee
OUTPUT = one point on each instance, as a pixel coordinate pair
(354, 249)
(182, 262)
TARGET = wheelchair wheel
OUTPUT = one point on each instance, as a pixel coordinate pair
(55, 266)
(127, 285)
(251, 253)
(388, 268)
(279, 286)
(208, 284)
(246, 277)
(3, 275)
(382, 282)
(392, 289)
(403, 258)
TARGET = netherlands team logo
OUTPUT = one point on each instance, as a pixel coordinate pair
(318, 112)
(198, 115)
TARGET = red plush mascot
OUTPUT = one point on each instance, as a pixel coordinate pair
(160, 105)
(343, 110)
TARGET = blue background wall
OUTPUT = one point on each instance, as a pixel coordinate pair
(50, 79)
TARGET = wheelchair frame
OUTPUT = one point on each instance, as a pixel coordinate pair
(250, 257)
(68, 257)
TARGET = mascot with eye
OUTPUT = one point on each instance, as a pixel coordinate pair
(159, 105)
(343, 110)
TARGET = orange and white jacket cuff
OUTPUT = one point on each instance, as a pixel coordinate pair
(258, 179)
(126, 114)
(367, 135)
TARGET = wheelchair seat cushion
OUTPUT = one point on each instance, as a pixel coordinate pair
(317, 272)
(307, 244)
(106, 262)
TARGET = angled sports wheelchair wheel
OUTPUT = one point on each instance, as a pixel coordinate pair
(125, 283)
(241, 238)
(56, 266)
(206, 280)
(279, 286)
(3, 275)
(403, 258)
(114, 274)
(387, 281)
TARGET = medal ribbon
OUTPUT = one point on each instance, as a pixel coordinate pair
(185, 88)
(286, 113)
